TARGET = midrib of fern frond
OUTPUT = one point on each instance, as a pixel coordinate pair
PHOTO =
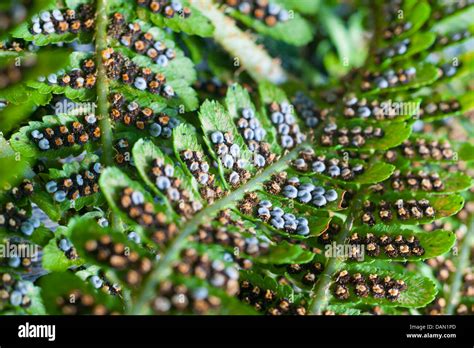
(241, 45)
(102, 86)
(163, 266)
(102, 90)
(378, 24)
(319, 294)
(463, 262)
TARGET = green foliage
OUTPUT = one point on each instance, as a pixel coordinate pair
(230, 238)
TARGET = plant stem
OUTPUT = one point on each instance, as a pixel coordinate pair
(378, 23)
(102, 90)
(102, 85)
(463, 263)
(320, 292)
(241, 45)
(163, 266)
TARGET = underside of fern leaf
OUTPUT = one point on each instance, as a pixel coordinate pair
(236, 157)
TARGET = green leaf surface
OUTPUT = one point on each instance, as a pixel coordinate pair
(60, 284)
(375, 173)
(466, 102)
(185, 95)
(230, 305)
(36, 306)
(325, 51)
(309, 7)
(420, 290)
(56, 209)
(180, 68)
(417, 14)
(196, 24)
(310, 208)
(296, 31)
(15, 113)
(23, 32)
(237, 99)
(419, 42)
(144, 152)
(444, 206)
(372, 174)
(456, 21)
(266, 282)
(86, 229)
(316, 223)
(394, 134)
(434, 243)
(452, 183)
(426, 74)
(185, 138)
(21, 142)
(466, 152)
(213, 118)
(54, 62)
(11, 164)
(113, 180)
(54, 259)
(270, 93)
(284, 253)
